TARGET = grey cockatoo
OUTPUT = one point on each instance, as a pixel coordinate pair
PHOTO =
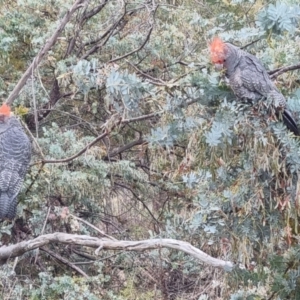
(15, 154)
(248, 78)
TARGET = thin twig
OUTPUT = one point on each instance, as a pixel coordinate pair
(64, 261)
(35, 178)
(135, 50)
(65, 160)
(92, 226)
(72, 116)
(141, 118)
(274, 73)
(153, 80)
(124, 148)
(42, 232)
(253, 42)
(140, 200)
(105, 35)
(33, 138)
(36, 121)
(97, 139)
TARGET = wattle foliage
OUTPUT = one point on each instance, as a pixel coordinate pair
(189, 162)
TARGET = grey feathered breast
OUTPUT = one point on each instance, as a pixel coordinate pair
(15, 155)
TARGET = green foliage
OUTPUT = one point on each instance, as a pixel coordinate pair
(189, 161)
(279, 18)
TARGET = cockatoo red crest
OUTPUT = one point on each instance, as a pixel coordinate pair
(217, 51)
(5, 110)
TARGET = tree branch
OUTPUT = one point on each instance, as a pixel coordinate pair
(140, 200)
(153, 80)
(135, 50)
(18, 249)
(94, 11)
(124, 148)
(104, 36)
(274, 73)
(251, 43)
(99, 138)
(92, 226)
(14, 94)
(64, 261)
(64, 160)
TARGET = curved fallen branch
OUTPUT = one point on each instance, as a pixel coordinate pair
(15, 250)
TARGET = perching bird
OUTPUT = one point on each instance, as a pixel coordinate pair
(248, 78)
(15, 154)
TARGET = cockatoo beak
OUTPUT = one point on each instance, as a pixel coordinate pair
(219, 67)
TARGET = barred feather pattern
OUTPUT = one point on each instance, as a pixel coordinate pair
(249, 80)
(15, 154)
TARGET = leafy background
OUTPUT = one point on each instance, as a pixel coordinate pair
(192, 163)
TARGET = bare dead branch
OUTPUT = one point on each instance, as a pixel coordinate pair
(18, 249)
(14, 94)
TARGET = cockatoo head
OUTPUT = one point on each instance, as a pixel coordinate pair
(5, 112)
(218, 53)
